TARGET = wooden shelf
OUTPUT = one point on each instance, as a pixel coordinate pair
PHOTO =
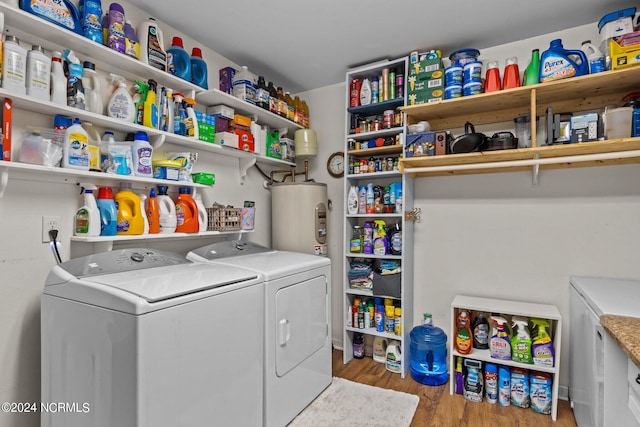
(376, 151)
(590, 92)
(599, 153)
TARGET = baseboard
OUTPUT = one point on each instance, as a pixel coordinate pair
(337, 344)
(563, 392)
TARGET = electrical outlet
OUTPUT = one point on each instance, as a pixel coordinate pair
(50, 223)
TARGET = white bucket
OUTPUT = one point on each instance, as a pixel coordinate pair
(617, 122)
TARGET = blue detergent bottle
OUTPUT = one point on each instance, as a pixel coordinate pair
(60, 12)
(108, 212)
(558, 63)
(178, 60)
(199, 69)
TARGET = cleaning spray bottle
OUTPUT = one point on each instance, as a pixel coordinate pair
(521, 342)
(150, 107)
(108, 212)
(191, 123)
(179, 114)
(140, 90)
(75, 89)
(120, 104)
(499, 345)
(87, 219)
(168, 114)
(542, 347)
(559, 63)
(380, 243)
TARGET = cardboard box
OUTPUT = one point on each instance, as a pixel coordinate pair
(226, 79)
(420, 144)
(241, 120)
(245, 140)
(423, 81)
(274, 149)
(288, 149)
(221, 124)
(425, 96)
(227, 139)
(425, 66)
(5, 148)
(223, 110)
(206, 132)
(584, 128)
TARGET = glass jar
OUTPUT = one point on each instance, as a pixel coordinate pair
(388, 119)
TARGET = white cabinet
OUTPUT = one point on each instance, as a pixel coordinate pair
(385, 145)
(508, 309)
(633, 378)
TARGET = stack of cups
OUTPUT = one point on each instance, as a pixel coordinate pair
(472, 78)
(453, 82)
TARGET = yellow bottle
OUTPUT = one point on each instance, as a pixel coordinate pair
(150, 117)
(305, 114)
(130, 217)
(297, 110)
(290, 107)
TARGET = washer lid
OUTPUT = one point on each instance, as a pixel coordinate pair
(228, 249)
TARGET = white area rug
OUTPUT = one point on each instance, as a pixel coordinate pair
(347, 403)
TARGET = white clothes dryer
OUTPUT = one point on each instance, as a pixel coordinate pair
(145, 338)
(297, 322)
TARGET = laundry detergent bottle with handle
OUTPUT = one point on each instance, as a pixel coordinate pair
(199, 73)
(152, 45)
(167, 208)
(186, 212)
(130, 217)
(558, 63)
(108, 212)
(178, 60)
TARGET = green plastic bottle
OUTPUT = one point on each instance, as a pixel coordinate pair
(532, 72)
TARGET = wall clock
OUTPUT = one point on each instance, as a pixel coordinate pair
(335, 164)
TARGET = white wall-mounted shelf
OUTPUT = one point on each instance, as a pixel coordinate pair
(264, 117)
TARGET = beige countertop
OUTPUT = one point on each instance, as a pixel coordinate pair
(626, 332)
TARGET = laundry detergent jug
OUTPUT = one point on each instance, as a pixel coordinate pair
(130, 216)
(558, 63)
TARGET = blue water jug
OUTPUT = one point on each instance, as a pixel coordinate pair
(428, 359)
(178, 60)
(558, 63)
(199, 69)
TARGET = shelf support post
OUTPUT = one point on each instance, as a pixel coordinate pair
(533, 118)
(536, 170)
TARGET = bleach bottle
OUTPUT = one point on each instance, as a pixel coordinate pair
(558, 63)
(178, 60)
(87, 219)
(108, 212)
(168, 221)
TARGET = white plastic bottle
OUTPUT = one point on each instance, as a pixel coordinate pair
(202, 212)
(168, 219)
(108, 141)
(58, 80)
(14, 66)
(92, 88)
(75, 152)
(121, 104)
(142, 153)
(87, 218)
(352, 200)
(192, 128)
(244, 85)
(94, 146)
(143, 198)
(594, 57)
(38, 73)
(365, 92)
(151, 45)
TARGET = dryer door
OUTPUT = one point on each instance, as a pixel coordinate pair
(302, 319)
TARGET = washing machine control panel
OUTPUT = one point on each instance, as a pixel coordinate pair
(120, 261)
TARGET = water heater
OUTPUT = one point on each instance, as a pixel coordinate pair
(299, 217)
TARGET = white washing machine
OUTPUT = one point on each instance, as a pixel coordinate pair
(146, 338)
(297, 323)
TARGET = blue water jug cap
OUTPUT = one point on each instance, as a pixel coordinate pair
(162, 189)
(77, 121)
(184, 190)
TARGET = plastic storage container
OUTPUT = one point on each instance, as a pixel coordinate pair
(428, 359)
(464, 56)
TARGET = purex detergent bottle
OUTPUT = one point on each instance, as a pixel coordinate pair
(558, 63)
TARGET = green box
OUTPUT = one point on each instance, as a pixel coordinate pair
(424, 96)
(425, 66)
(203, 178)
(206, 132)
(274, 148)
(424, 81)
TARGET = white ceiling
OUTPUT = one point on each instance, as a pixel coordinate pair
(303, 45)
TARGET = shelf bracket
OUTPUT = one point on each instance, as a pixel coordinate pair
(245, 164)
(4, 179)
(536, 170)
(156, 141)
